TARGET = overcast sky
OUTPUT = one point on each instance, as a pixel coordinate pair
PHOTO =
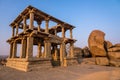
(86, 15)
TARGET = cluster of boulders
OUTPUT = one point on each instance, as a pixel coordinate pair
(82, 52)
(104, 52)
(114, 55)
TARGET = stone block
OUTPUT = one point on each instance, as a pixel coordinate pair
(114, 55)
(115, 63)
(114, 49)
(102, 61)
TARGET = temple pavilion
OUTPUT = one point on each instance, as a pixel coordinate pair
(27, 32)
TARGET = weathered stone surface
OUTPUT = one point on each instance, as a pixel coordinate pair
(117, 45)
(102, 61)
(108, 44)
(114, 55)
(115, 63)
(88, 61)
(86, 52)
(78, 51)
(96, 43)
(114, 49)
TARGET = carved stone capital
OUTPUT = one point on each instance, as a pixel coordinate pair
(47, 18)
(31, 11)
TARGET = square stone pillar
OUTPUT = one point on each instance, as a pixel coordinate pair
(24, 23)
(55, 32)
(71, 36)
(17, 26)
(29, 53)
(47, 25)
(23, 48)
(56, 53)
(39, 50)
(63, 32)
(14, 50)
(13, 31)
(11, 50)
(71, 49)
(47, 48)
(39, 23)
(62, 54)
(31, 19)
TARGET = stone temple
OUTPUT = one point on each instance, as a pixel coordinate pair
(27, 32)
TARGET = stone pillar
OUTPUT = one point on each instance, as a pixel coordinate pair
(62, 54)
(55, 32)
(11, 50)
(63, 32)
(39, 50)
(17, 26)
(31, 19)
(56, 53)
(47, 25)
(71, 33)
(39, 26)
(23, 48)
(29, 53)
(13, 31)
(14, 50)
(47, 47)
(24, 23)
(71, 49)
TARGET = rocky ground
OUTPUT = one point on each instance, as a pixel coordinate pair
(77, 72)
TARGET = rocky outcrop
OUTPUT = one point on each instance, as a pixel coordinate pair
(105, 52)
(114, 55)
(108, 44)
(96, 43)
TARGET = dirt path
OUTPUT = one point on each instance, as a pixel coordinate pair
(76, 72)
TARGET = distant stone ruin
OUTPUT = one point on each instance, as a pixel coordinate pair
(27, 31)
(105, 52)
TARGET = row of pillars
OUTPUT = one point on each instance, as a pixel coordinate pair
(31, 26)
(27, 49)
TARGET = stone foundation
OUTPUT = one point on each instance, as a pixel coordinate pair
(28, 65)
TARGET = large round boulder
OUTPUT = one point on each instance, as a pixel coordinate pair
(96, 43)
